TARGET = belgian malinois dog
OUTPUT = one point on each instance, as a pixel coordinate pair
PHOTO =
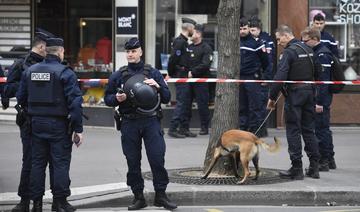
(241, 145)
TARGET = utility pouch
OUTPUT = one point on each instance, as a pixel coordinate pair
(118, 120)
(20, 116)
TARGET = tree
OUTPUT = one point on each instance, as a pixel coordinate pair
(226, 111)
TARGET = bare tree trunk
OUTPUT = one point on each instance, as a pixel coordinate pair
(226, 112)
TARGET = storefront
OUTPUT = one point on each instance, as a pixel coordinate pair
(95, 31)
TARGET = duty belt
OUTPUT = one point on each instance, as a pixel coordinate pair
(138, 116)
(300, 86)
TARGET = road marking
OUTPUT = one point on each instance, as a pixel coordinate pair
(213, 210)
(347, 210)
(12, 196)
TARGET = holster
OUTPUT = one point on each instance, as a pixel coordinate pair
(118, 120)
(159, 114)
(20, 116)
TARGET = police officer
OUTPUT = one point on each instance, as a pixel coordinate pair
(200, 58)
(253, 59)
(323, 56)
(4, 100)
(130, 89)
(56, 116)
(36, 55)
(326, 38)
(178, 67)
(296, 64)
(264, 38)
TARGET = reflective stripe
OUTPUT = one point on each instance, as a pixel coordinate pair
(251, 49)
(326, 65)
(305, 55)
(328, 41)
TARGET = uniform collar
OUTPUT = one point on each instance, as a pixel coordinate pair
(52, 58)
(294, 40)
(317, 47)
(35, 57)
(184, 37)
(135, 67)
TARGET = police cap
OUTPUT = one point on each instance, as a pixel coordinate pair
(54, 42)
(199, 28)
(188, 20)
(42, 34)
(132, 43)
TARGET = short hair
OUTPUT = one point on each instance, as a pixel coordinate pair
(244, 22)
(37, 41)
(284, 29)
(186, 26)
(53, 49)
(312, 32)
(319, 17)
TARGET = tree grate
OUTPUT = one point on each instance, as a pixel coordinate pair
(192, 176)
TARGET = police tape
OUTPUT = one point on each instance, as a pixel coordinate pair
(215, 80)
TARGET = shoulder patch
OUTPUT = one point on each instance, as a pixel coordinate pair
(178, 52)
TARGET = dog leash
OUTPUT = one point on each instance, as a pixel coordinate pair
(268, 115)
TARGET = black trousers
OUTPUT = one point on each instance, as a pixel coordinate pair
(300, 122)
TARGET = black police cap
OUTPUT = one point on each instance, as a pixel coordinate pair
(199, 27)
(54, 42)
(132, 43)
(188, 20)
(42, 34)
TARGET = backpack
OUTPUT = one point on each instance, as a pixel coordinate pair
(337, 74)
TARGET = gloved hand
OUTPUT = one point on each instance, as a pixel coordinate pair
(5, 103)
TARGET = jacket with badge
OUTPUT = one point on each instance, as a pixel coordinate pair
(178, 58)
(16, 70)
(116, 81)
(270, 50)
(65, 94)
(253, 58)
(200, 58)
(293, 64)
(324, 59)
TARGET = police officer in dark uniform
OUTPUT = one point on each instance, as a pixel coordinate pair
(253, 61)
(296, 64)
(137, 90)
(264, 38)
(178, 67)
(323, 57)
(4, 100)
(326, 38)
(200, 58)
(36, 55)
(56, 122)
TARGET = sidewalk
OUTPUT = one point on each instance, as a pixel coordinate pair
(100, 161)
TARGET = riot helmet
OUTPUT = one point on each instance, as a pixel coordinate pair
(143, 96)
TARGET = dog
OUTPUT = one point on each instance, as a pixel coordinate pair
(244, 145)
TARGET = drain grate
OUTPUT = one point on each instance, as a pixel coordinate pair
(192, 176)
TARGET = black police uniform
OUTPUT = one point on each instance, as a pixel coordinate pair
(12, 86)
(294, 64)
(178, 67)
(4, 100)
(55, 114)
(200, 58)
(137, 126)
(253, 59)
(323, 56)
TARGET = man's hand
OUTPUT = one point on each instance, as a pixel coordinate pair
(77, 139)
(319, 108)
(270, 105)
(120, 97)
(4, 103)
(152, 82)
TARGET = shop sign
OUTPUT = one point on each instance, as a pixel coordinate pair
(349, 11)
(126, 20)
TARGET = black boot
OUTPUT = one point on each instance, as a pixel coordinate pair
(23, 206)
(62, 205)
(161, 200)
(204, 131)
(324, 165)
(139, 202)
(332, 164)
(187, 133)
(313, 170)
(175, 134)
(294, 173)
(37, 206)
